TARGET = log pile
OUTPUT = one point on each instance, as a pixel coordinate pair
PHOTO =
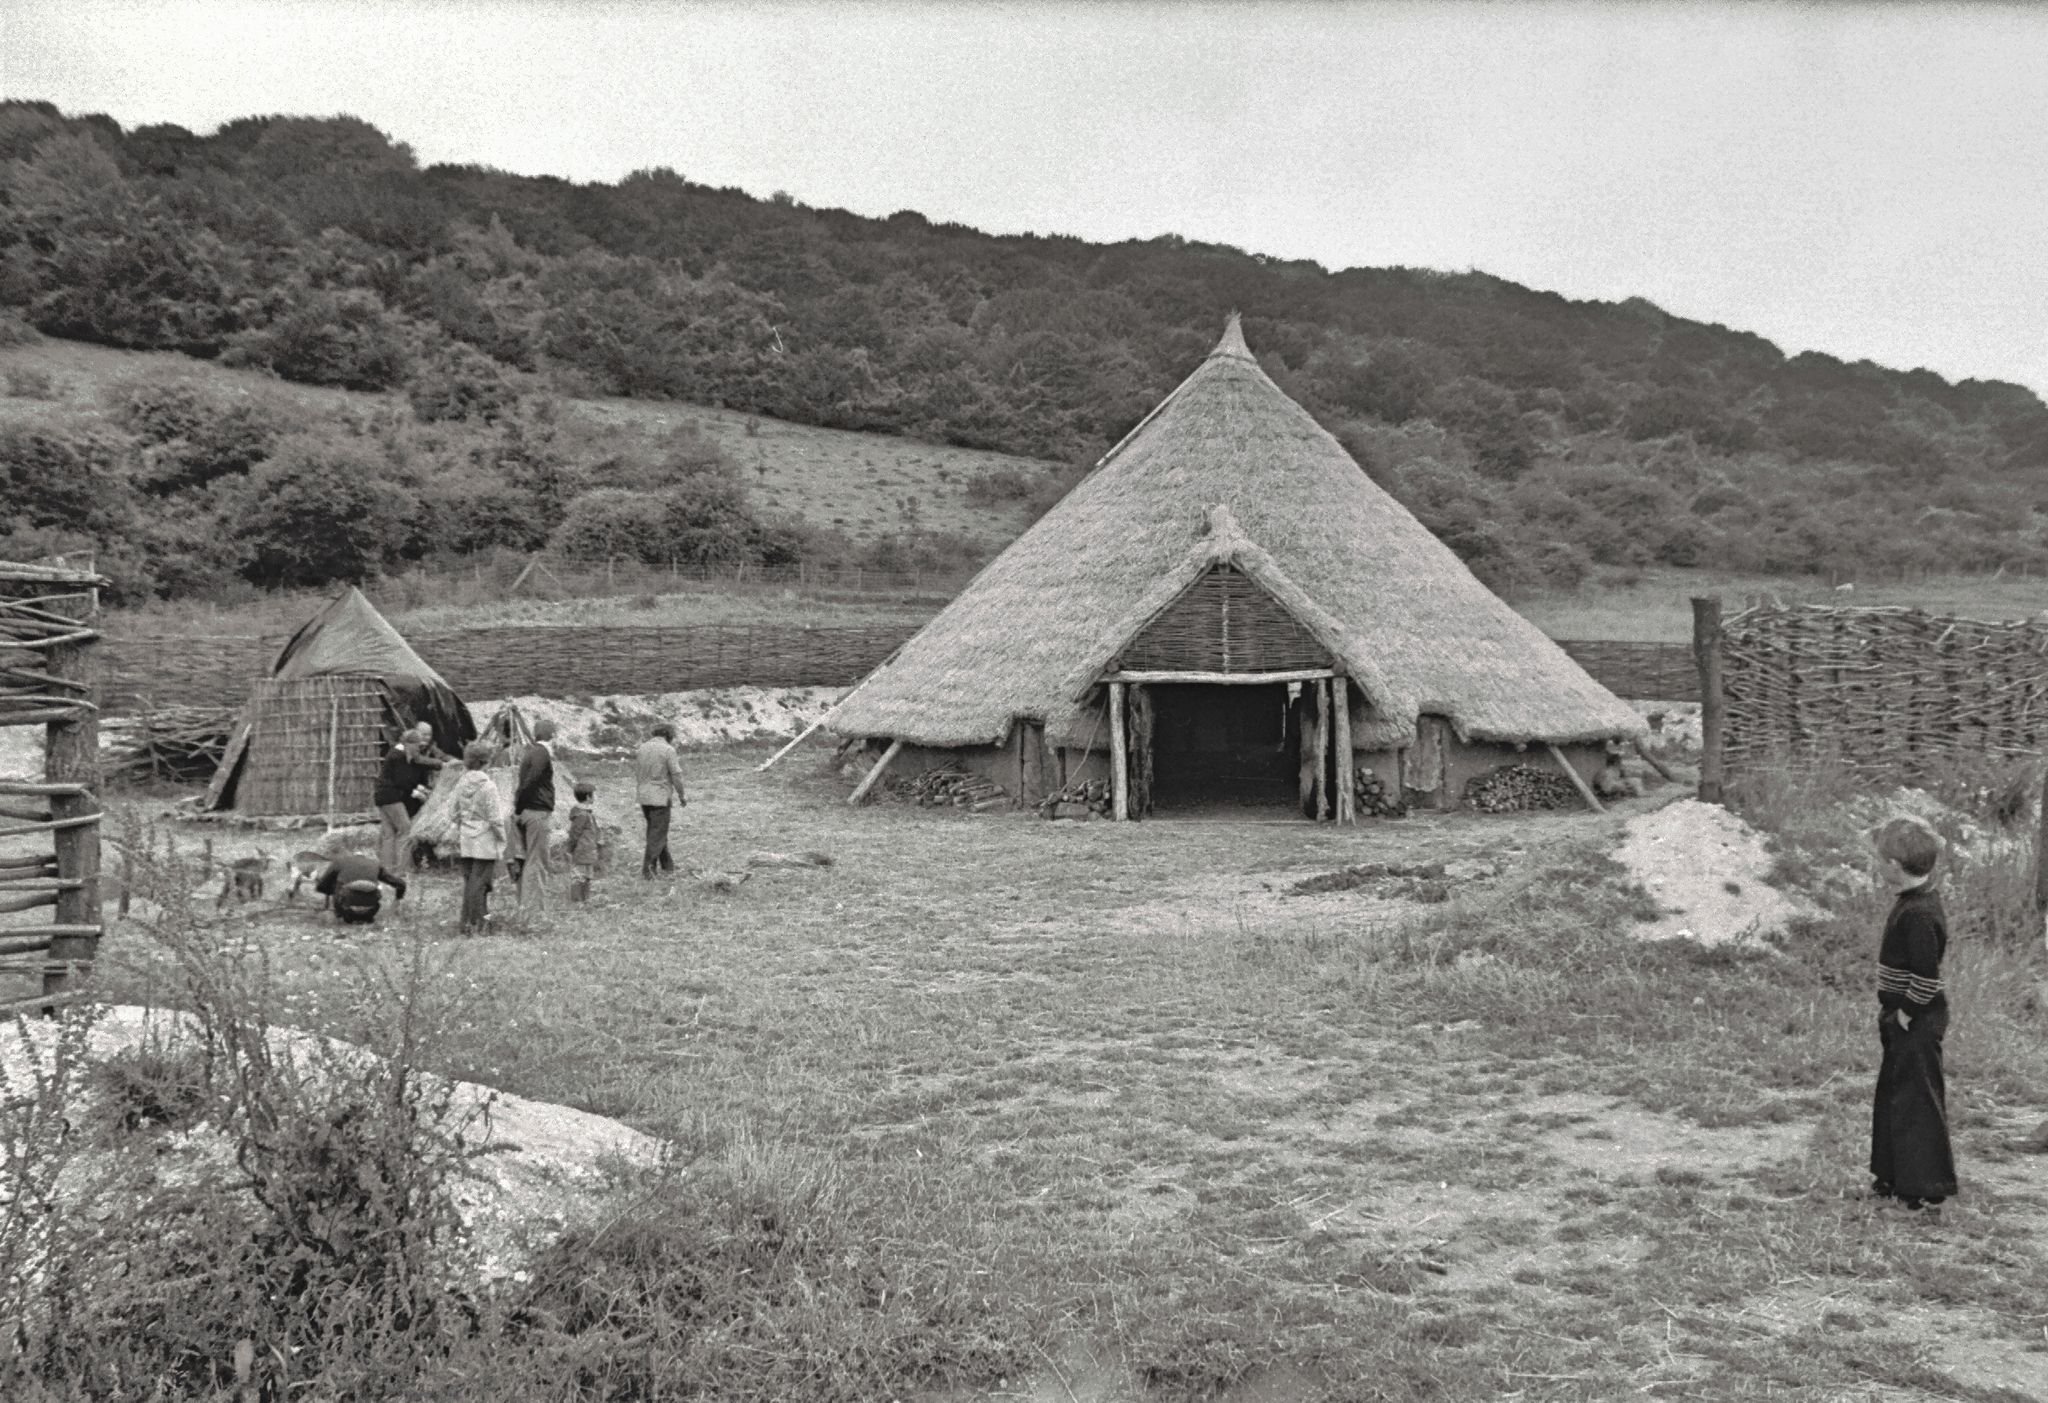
(1082, 799)
(172, 743)
(947, 786)
(1519, 788)
(1376, 799)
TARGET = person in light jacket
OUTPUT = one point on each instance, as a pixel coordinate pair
(479, 834)
(657, 780)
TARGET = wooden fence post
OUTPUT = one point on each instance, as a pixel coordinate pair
(1706, 652)
(72, 770)
(2041, 854)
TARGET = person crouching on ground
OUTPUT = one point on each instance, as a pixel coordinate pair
(586, 843)
(353, 885)
(1910, 1155)
(533, 808)
(657, 779)
(479, 834)
(402, 782)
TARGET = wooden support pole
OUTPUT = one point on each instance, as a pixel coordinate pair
(2041, 855)
(1652, 761)
(73, 759)
(15, 786)
(54, 825)
(1585, 790)
(1321, 750)
(1347, 760)
(1119, 756)
(1706, 653)
(333, 752)
(868, 780)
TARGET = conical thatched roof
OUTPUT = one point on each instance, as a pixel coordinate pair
(349, 636)
(1229, 470)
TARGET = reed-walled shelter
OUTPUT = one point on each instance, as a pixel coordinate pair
(1227, 610)
(315, 731)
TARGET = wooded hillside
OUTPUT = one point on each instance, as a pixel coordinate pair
(1537, 435)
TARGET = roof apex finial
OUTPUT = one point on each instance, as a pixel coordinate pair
(1232, 343)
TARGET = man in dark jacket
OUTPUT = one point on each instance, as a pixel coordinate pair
(533, 810)
(402, 782)
(353, 886)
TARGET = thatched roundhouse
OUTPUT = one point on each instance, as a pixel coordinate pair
(315, 730)
(1187, 617)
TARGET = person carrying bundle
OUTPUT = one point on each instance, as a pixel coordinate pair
(402, 782)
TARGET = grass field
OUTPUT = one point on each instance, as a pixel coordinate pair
(1112, 1116)
(1656, 605)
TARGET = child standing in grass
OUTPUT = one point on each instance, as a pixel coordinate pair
(586, 843)
(1910, 1156)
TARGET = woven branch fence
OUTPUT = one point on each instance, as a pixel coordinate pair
(141, 674)
(1879, 689)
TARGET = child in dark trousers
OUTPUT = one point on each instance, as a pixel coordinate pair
(1910, 1156)
(586, 843)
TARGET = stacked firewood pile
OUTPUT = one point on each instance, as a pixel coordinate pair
(171, 743)
(947, 786)
(1376, 799)
(1517, 788)
(1081, 799)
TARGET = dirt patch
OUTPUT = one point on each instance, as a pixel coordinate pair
(1617, 1141)
(1705, 868)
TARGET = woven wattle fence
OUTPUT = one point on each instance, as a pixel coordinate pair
(1884, 689)
(144, 674)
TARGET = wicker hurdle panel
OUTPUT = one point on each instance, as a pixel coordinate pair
(1882, 689)
(1224, 622)
(315, 746)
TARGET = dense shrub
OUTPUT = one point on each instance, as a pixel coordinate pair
(345, 340)
(61, 479)
(192, 436)
(456, 384)
(320, 511)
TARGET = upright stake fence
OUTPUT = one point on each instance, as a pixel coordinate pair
(48, 626)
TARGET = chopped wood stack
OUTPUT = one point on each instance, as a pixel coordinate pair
(1518, 788)
(172, 743)
(1082, 799)
(1376, 799)
(947, 786)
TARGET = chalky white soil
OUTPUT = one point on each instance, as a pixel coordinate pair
(614, 725)
(542, 1167)
(1705, 867)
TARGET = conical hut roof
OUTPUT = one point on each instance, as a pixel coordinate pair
(349, 635)
(1418, 632)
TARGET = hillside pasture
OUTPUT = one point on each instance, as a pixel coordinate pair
(1101, 1111)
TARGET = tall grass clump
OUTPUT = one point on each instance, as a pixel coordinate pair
(285, 1222)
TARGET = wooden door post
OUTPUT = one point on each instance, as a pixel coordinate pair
(1119, 756)
(1347, 765)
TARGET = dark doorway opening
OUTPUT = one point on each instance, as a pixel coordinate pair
(1225, 746)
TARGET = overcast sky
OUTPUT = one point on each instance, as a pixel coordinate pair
(1871, 181)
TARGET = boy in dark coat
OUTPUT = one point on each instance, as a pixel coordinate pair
(1910, 1156)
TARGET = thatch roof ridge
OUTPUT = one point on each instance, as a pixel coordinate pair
(1399, 603)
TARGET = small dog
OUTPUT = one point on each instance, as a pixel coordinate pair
(242, 880)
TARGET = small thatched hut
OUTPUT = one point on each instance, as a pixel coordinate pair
(1186, 621)
(315, 731)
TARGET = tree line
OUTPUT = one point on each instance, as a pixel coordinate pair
(1539, 436)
